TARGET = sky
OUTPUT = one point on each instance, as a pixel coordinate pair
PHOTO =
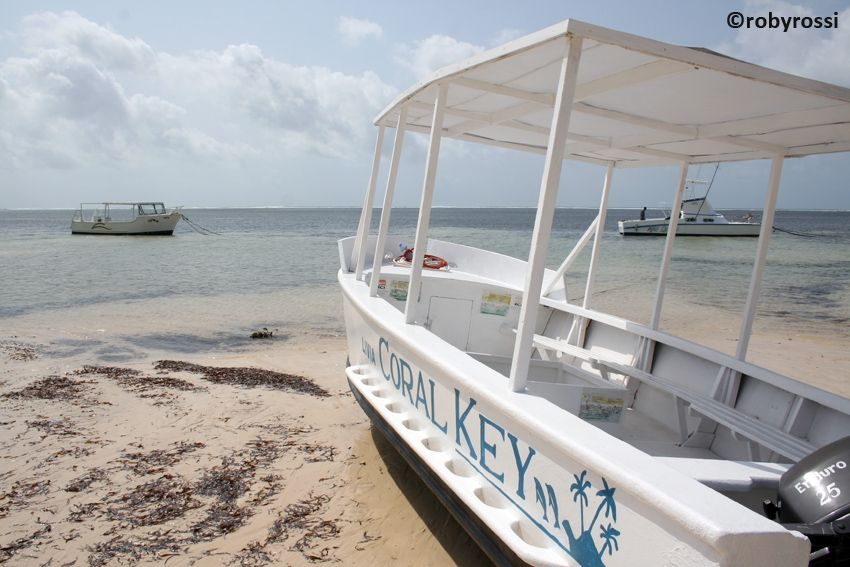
(271, 103)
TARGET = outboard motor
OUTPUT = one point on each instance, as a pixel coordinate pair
(814, 499)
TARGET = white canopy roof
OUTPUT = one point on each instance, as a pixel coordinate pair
(638, 102)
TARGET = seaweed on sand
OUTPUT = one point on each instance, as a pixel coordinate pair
(9, 550)
(318, 452)
(83, 482)
(158, 460)
(51, 388)
(166, 498)
(228, 482)
(20, 493)
(62, 427)
(160, 543)
(246, 376)
(264, 333)
(137, 381)
(18, 351)
(300, 516)
(82, 512)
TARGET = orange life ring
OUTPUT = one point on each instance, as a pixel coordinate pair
(430, 262)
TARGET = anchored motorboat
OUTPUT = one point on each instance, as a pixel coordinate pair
(558, 434)
(696, 218)
(125, 218)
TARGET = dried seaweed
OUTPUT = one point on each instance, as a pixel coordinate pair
(83, 482)
(154, 502)
(226, 482)
(264, 495)
(158, 460)
(252, 555)
(246, 376)
(18, 351)
(82, 512)
(20, 493)
(318, 452)
(144, 385)
(74, 452)
(161, 544)
(264, 333)
(298, 516)
(62, 427)
(222, 518)
(9, 550)
(51, 388)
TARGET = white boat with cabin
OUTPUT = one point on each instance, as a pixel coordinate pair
(138, 218)
(696, 218)
(558, 434)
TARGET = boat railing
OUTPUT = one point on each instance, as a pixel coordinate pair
(722, 360)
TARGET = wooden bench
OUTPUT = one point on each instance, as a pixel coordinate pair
(754, 430)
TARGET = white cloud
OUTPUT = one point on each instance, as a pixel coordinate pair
(506, 35)
(818, 54)
(74, 35)
(353, 30)
(82, 95)
(427, 55)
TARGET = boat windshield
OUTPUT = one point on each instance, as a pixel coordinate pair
(151, 209)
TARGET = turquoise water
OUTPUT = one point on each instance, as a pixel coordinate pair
(277, 268)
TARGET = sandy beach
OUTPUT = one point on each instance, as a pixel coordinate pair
(139, 465)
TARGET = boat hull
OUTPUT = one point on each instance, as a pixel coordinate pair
(528, 493)
(480, 533)
(658, 227)
(152, 225)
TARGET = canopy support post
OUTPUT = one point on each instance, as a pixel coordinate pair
(761, 257)
(421, 241)
(386, 209)
(366, 212)
(728, 381)
(655, 320)
(597, 239)
(545, 211)
(643, 357)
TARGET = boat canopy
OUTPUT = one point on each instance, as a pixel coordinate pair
(637, 102)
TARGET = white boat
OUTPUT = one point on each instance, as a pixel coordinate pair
(558, 434)
(125, 218)
(696, 218)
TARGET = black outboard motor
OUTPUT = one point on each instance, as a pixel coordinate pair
(814, 499)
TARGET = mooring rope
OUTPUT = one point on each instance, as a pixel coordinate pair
(198, 228)
(803, 234)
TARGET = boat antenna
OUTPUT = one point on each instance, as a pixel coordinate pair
(710, 183)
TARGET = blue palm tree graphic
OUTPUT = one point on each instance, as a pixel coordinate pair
(579, 488)
(609, 533)
(583, 548)
(607, 503)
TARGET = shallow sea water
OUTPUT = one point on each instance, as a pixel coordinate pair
(118, 296)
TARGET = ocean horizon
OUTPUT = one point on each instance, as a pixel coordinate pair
(276, 268)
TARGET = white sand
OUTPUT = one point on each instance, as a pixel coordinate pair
(370, 507)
